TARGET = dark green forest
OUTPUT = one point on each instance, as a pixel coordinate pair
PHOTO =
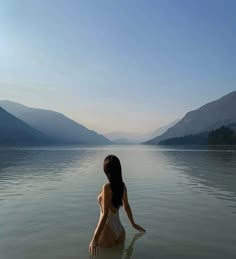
(222, 136)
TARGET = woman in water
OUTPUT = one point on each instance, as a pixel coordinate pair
(109, 230)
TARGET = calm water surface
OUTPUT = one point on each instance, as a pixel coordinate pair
(185, 198)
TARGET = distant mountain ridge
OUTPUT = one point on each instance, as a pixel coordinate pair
(208, 117)
(136, 137)
(15, 132)
(163, 129)
(54, 125)
(55, 128)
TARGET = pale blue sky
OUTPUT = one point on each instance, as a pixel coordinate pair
(126, 65)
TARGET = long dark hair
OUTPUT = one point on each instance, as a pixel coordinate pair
(112, 169)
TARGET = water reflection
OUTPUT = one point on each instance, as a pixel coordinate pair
(120, 252)
(51, 163)
(213, 169)
(129, 249)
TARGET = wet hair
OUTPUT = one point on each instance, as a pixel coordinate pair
(112, 169)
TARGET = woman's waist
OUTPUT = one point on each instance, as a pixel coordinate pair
(112, 216)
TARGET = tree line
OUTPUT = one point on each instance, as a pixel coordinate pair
(222, 136)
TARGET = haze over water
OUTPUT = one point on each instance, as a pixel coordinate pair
(184, 197)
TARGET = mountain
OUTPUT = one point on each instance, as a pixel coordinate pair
(163, 129)
(225, 135)
(56, 126)
(197, 139)
(124, 141)
(208, 117)
(13, 131)
(120, 137)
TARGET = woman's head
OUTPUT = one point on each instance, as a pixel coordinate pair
(112, 169)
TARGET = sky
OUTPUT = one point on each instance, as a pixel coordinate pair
(127, 65)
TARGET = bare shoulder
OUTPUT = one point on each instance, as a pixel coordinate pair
(106, 188)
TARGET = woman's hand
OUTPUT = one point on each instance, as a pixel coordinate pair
(139, 228)
(93, 248)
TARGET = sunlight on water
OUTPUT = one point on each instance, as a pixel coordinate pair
(184, 197)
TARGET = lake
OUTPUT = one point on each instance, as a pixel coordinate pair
(184, 197)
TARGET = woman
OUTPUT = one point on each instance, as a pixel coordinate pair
(109, 230)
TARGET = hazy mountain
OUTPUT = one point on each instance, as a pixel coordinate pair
(210, 116)
(13, 131)
(162, 130)
(56, 126)
(120, 137)
(123, 141)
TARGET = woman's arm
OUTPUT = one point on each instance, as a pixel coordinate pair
(129, 211)
(93, 247)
